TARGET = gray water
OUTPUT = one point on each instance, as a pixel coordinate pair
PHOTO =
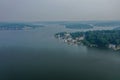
(37, 55)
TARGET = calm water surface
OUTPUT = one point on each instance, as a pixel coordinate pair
(37, 55)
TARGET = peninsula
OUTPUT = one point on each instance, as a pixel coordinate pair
(99, 38)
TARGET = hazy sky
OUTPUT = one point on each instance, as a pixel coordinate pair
(52, 10)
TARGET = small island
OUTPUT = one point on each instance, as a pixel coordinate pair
(101, 39)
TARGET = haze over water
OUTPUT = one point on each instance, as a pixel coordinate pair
(38, 55)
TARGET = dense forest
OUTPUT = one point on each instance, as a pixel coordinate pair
(102, 38)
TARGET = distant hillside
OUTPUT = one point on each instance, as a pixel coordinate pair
(107, 23)
(18, 26)
(118, 28)
(78, 26)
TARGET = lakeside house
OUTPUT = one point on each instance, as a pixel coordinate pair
(80, 38)
(114, 47)
(68, 38)
(118, 47)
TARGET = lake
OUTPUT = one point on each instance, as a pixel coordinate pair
(37, 55)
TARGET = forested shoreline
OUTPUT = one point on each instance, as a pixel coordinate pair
(99, 38)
